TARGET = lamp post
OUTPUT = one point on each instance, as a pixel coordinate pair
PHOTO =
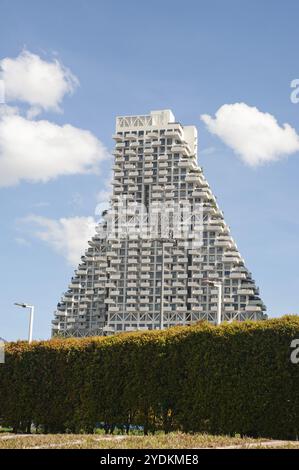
(162, 291)
(31, 318)
(217, 284)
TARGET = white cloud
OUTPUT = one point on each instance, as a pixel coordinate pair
(66, 236)
(39, 83)
(208, 151)
(255, 136)
(40, 150)
(103, 198)
(22, 241)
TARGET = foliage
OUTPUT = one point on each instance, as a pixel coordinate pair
(233, 379)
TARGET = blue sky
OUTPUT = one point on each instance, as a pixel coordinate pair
(132, 57)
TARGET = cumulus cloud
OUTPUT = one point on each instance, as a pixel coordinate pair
(66, 236)
(253, 135)
(40, 150)
(22, 241)
(39, 83)
(103, 197)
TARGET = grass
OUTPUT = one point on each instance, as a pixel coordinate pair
(160, 441)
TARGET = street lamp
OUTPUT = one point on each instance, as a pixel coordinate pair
(163, 241)
(162, 289)
(217, 284)
(31, 307)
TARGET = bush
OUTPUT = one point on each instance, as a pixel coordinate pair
(235, 378)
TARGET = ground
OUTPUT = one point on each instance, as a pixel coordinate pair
(159, 441)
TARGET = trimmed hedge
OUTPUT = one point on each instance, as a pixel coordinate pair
(235, 378)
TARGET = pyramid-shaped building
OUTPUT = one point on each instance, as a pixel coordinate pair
(162, 255)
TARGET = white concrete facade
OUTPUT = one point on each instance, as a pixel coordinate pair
(121, 280)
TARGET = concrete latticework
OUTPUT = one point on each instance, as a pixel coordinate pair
(136, 258)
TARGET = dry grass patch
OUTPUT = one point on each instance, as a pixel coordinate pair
(158, 441)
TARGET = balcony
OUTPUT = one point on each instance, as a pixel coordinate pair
(117, 137)
(197, 308)
(194, 267)
(231, 259)
(204, 193)
(186, 164)
(182, 292)
(245, 292)
(212, 275)
(131, 310)
(253, 308)
(74, 285)
(237, 275)
(132, 189)
(130, 152)
(197, 292)
(182, 276)
(145, 285)
(134, 144)
(120, 145)
(223, 243)
(181, 309)
(130, 137)
(114, 293)
(193, 178)
(145, 276)
(144, 309)
(232, 253)
(145, 268)
(111, 254)
(167, 292)
(157, 188)
(113, 308)
(82, 272)
(132, 253)
(153, 134)
(177, 148)
(148, 165)
(175, 133)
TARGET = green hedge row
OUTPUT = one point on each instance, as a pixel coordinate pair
(235, 378)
